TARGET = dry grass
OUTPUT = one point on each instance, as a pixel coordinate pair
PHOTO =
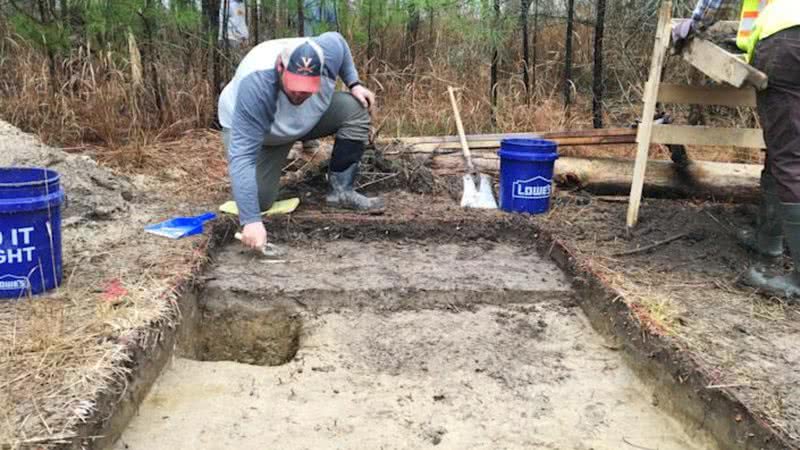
(95, 102)
(62, 351)
(193, 161)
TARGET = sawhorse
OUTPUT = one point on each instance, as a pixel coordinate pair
(742, 81)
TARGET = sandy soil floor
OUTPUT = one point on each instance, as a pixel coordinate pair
(527, 377)
(391, 373)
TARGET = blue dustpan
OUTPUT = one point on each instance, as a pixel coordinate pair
(180, 227)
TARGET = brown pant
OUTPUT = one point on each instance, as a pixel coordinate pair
(779, 109)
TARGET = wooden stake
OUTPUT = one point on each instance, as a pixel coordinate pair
(650, 99)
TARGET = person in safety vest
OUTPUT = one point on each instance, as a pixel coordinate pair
(770, 34)
(284, 91)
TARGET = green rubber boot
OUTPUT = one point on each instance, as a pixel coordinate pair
(787, 286)
(343, 195)
(767, 238)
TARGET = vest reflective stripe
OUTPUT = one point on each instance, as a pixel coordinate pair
(778, 15)
(750, 12)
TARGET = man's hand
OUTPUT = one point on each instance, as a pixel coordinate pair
(681, 34)
(363, 95)
(254, 235)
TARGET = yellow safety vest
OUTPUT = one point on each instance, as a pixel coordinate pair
(747, 24)
(768, 17)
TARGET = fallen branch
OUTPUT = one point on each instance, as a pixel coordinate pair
(652, 246)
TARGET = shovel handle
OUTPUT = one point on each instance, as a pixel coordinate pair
(461, 136)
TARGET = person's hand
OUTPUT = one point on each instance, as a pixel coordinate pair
(363, 95)
(681, 34)
(254, 235)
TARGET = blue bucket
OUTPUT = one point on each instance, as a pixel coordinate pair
(526, 174)
(30, 231)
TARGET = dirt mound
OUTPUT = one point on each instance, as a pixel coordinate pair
(93, 192)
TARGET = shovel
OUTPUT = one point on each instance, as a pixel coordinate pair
(477, 191)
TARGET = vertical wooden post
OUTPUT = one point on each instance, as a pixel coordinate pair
(650, 97)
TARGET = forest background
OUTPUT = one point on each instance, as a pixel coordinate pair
(115, 74)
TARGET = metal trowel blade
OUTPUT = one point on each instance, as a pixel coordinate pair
(269, 250)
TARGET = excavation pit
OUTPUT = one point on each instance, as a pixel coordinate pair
(408, 341)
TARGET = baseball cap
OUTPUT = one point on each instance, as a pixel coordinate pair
(303, 66)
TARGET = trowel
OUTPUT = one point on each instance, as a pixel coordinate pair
(269, 250)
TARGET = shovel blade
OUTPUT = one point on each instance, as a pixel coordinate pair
(486, 193)
(481, 197)
(469, 193)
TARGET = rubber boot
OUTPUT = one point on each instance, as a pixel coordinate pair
(767, 238)
(788, 285)
(342, 194)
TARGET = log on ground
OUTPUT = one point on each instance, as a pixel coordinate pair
(611, 176)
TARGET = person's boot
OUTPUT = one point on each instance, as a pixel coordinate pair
(343, 175)
(767, 237)
(788, 285)
(343, 195)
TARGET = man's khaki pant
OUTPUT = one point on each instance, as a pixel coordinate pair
(345, 118)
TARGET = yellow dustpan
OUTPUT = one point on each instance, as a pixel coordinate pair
(279, 207)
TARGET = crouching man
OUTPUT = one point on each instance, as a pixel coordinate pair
(283, 92)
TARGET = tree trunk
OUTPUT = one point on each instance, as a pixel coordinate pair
(432, 14)
(212, 30)
(412, 30)
(254, 21)
(495, 62)
(526, 60)
(149, 61)
(301, 20)
(597, 75)
(568, 53)
(535, 45)
(369, 37)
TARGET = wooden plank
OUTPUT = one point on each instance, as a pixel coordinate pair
(709, 136)
(722, 66)
(650, 98)
(707, 95)
(630, 138)
(473, 138)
